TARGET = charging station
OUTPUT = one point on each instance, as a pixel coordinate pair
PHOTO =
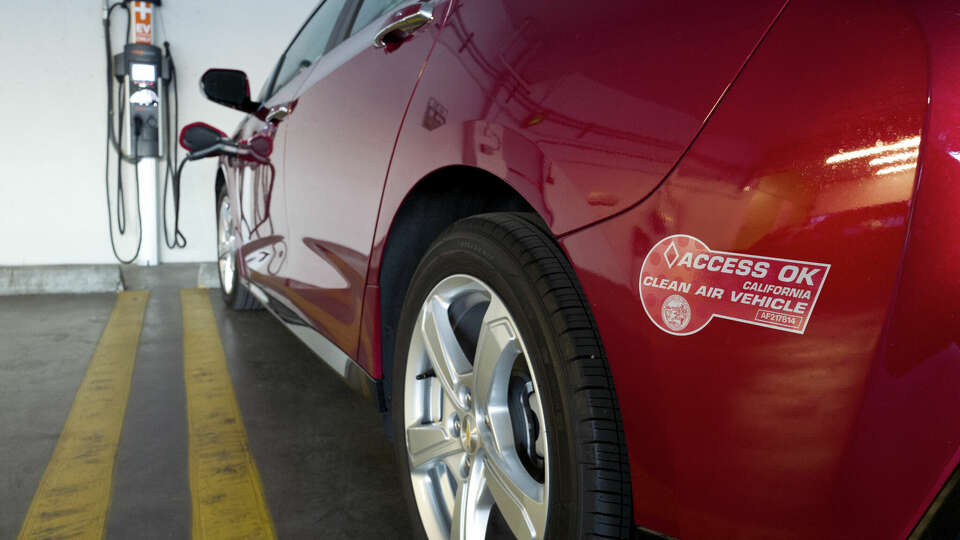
(140, 135)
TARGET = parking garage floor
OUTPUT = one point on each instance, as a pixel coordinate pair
(161, 414)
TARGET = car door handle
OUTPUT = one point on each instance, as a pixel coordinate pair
(404, 21)
(277, 114)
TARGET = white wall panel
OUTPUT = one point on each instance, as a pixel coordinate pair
(53, 108)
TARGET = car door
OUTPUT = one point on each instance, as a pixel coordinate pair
(337, 152)
(259, 204)
(262, 208)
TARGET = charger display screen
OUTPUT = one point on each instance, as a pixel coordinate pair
(143, 73)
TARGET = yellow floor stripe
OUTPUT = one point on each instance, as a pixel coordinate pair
(74, 493)
(227, 494)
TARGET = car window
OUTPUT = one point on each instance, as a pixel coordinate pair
(370, 10)
(310, 43)
(268, 84)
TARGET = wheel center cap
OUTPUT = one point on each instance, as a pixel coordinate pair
(469, 438)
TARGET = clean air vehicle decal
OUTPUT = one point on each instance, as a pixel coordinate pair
(684, 284)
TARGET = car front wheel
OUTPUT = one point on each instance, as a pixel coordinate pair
(234, 293)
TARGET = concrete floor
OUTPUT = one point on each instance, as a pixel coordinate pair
(326, 467)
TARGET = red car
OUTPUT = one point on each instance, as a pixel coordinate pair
(622, 268)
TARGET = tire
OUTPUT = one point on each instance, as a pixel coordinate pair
(536, 311)
(234, 294)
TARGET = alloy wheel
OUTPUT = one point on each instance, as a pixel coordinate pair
(226, 245)
(475, 430)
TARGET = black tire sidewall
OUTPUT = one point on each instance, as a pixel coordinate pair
(469, 250)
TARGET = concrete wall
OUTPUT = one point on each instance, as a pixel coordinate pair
(52, 91)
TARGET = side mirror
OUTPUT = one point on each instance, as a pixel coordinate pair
(228, 87)
(197, 137)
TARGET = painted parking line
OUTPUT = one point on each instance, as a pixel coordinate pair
(225, 486)
(74, 492)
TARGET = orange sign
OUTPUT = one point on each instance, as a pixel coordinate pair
(142, 22)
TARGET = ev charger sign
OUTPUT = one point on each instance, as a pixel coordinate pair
(684, 285)
(143, 22)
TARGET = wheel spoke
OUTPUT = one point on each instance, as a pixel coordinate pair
(446, 356)
(429, 442)
(525, 514)
(471, 512)
(497, 348)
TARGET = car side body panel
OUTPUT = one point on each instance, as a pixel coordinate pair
(909, 417)
(582, 108)
(336, 158)
(257, 198)
(331, 154)
(758, 128)
(849, 428)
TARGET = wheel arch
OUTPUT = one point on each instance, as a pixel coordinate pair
(438, 200)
